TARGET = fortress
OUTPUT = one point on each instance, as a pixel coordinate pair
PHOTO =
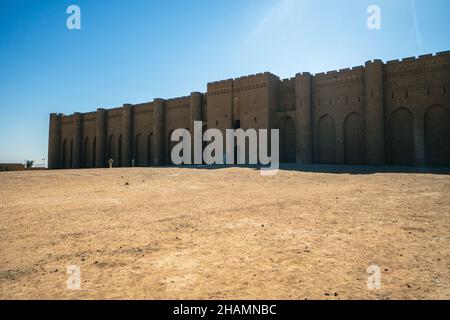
(395, 113)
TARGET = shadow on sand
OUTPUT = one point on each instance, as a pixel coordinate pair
(337, 169)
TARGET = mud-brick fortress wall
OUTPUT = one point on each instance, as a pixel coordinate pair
(396, 113)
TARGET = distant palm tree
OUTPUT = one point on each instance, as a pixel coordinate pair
(29, 163)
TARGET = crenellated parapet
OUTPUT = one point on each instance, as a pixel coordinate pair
(220, 87)
(339, 77)
(179, 102)
(417, 65)
(244, 83)
(252, 82)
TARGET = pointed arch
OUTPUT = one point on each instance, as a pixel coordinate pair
(94, 152)
(65, 155)
(287, 140)
(119, 152)
(139, 151)
(326, 144)
(112, 150)
(71, 154)
(437, 136)
(401, 137)
(354, 151)
(87, 153)
(150, 155)
(170, 146)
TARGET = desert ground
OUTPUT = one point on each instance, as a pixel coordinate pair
(230, 233)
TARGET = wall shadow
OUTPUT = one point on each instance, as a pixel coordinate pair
(335, 169)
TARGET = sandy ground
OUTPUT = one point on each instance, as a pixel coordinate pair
(174, 233)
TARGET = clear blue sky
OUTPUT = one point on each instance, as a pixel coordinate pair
(135, 50)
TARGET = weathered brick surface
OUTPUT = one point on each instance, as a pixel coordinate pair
(396, 112)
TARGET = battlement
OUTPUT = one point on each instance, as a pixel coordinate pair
(299, 74)
(257, 76)
(252, 82)
(58, 114)
(220, 87)
(177, 102)
(178, 99)
(143, 104)
(66, 118)
(115, 111)
(342, 75)
(288, 82)
(405, 62)
(220, 83)
(90, 116)
(142, 107)
(417, 65)
(249, 82)
(422, 58)
(250, 77)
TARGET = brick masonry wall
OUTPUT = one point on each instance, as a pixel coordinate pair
(397, 112)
